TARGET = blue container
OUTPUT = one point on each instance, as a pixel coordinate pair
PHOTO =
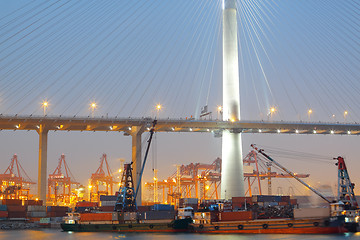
(162, 207)
(3, 208)
(277, 198)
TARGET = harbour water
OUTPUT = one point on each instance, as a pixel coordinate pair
(58, 234)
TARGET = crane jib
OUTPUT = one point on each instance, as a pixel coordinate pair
(261, 151)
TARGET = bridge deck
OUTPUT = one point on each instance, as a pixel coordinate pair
(173, 125)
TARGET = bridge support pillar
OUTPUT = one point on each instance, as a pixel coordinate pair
(136, 132)
(42, 168)
(232, 179)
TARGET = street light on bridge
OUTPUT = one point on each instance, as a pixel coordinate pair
(44, 105)
(345, 115)
(271, 112)
(310, 112)
(219, 111)
(158, 108)
(93, 106)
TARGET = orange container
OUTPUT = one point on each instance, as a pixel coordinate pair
(87, 204)
(235, 216)
(96, 217)
(4, 214)
(248, 200)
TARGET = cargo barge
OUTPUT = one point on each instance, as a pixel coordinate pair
(202, 224)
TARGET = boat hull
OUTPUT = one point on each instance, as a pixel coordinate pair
(281, 226)
(174, 226)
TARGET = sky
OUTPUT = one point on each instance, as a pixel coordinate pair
(128, 56)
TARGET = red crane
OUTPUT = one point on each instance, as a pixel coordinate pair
(102, 177)
(60, 184)
(14, 182)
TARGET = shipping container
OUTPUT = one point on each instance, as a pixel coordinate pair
(44, 220)
(266, 198)
(285, 198)
(3, 208)
(35, 208)
(235, 216)
(83, 209)
(36, 214)
(130, 216)
(108, 203)
(115, 216)
(188, 201)
(108, 198)
(143, 208)
(162, 207)
(311, 212)
(96, 217)
(12, 202)
(248, 200)
(14, 208)
(152, 215)
(17, 214)
(56, 214)
(293, 201)
(87, 204)
(57, 209)
(106, 208)
(4, 214)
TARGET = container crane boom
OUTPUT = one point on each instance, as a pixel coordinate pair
(261, 151)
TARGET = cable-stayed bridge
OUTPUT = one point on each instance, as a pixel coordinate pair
(296, 63)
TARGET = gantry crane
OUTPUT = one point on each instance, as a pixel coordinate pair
(202, 181)
(14, 182)
(102, 181)
(257, 168)
(197, 180)
(61, 184)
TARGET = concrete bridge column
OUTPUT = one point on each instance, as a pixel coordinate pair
(42, 172)
(232, 179)
(136, 132)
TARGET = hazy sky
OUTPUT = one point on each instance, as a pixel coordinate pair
(130, 55)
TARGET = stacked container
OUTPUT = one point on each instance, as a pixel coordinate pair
(57, 211)
(85, 206)
(107, 203)
(35, 211)
(239, 202)
(16, 212)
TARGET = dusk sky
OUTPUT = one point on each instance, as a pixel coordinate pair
(128, 56)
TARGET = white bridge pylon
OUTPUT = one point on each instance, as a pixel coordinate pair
(232, 175)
